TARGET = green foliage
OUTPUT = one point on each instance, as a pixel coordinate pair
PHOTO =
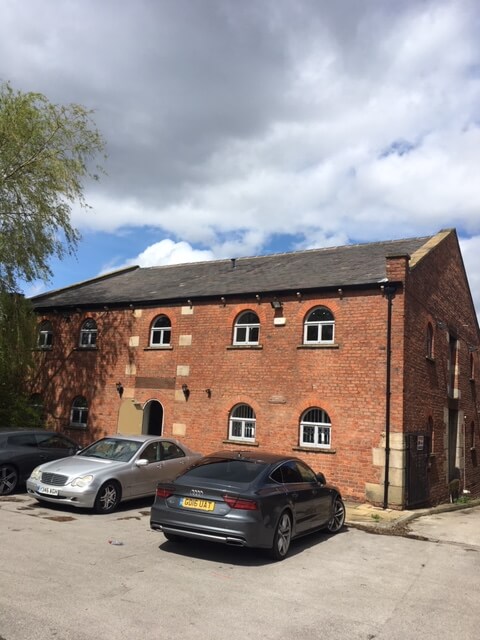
(46, 152)
(17, 341)
(45, 155)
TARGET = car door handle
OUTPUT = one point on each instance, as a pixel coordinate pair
(294, 495)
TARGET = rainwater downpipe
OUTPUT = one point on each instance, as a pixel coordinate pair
(389, 293)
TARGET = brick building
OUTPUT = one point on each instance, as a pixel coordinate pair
(359, 359)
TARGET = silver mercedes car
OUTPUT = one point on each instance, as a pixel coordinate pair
(110, 470)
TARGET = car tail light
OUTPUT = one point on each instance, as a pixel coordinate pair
(240, 503)
(163, 493)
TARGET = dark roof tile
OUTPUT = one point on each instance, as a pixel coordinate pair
(350, 265)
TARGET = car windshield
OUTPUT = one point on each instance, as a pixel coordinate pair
(112, 449)
(241, 471)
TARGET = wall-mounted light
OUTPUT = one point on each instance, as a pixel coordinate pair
(299, 295)
(257, 297)
(208, 392)
(441, 324)
(119, 388)
(186, 391)
(190, 303)
(472, 349)
(223, 301)
(276, 304)
(340, 292)
(105, 307)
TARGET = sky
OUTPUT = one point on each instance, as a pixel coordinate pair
(240, 128)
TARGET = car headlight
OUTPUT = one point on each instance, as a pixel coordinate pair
(36, 474)
(82, 481)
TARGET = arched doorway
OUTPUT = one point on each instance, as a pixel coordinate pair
(152, 418)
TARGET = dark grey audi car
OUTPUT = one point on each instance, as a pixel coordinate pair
(249, 499)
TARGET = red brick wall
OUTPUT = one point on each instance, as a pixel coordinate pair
(438, 294)
(282, 379)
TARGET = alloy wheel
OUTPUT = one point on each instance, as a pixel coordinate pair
(107, 498)
(282, 538)
(338, 519)
(8, 479)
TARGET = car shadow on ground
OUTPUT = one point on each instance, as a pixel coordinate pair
(26, 502)
(225, 554)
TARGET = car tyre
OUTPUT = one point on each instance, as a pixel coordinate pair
(108, 497)
(282, 537)
(8, 479)
(338, 518)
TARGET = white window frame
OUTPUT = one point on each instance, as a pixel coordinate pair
(89, 333)
(248, 327)
(45, 335)
(161, 332)
(79, 412)
(321, 326)
(320, 428)
(429, 342)
(245, 424)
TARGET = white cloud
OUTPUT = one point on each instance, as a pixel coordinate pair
(470, 248)
(166, 252)
(231, 123)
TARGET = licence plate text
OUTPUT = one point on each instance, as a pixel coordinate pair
(195, 503)
(48, 491)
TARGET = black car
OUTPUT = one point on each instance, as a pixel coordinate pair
(248, 499)
(21, 450)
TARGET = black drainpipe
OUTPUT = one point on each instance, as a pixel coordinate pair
(389, 293)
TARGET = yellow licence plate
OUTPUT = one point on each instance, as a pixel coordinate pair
(195, 503)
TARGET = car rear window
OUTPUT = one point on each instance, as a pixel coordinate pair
(23, 440)
(242, 471)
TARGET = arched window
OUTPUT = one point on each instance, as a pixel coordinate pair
(242, 423)
(45, 335)
(79, 412)
(315, 429)
(161, 332)
(88, 333)
(247, 328)
(429, 341)
(319, 327)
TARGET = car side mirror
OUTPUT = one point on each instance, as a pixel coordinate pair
(321, 478)
(142, 462)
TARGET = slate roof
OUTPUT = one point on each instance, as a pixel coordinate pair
(350, 265)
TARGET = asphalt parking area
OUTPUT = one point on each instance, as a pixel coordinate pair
(64, 579)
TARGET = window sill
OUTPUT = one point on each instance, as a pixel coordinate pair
(330, 345)
(76, 427)
(167, 347)
(314, 450)
(42, 349)
(430, 359)
(245, 347)
(242, 443)
(85, 349)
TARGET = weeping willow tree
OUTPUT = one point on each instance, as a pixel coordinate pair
(46, 154)
(17, 341)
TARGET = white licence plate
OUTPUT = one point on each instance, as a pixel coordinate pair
(48, 491)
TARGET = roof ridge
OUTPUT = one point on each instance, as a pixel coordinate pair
(289, 253)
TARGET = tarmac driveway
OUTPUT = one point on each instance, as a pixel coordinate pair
(461, 527)
(62, 578)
